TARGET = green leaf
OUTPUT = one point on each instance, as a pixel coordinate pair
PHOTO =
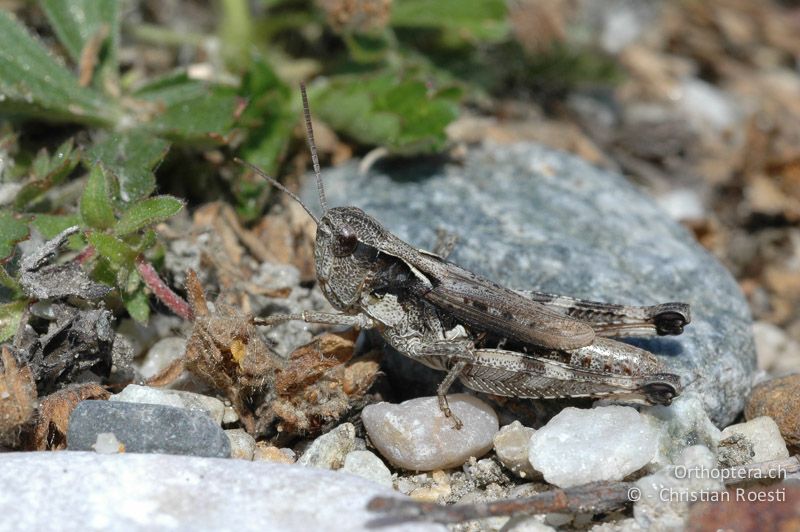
(115, 250)
(269, 116)
(483, 20)
(77, 22)
(46, 172)
(10, 318)
(132, 157)
(13, 229)
(34, 83)
(138, 305)
(147, 212)
(97, 210)
(10, 283)
(49, 225)
(405, 116)
(188, 110)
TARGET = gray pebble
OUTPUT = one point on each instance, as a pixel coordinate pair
(144, 428)
(243, 446)
(329, 450)
(365, 464)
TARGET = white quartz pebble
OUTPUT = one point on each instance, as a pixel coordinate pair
(416, 435)
(133, 393)
(365, 464)
(765, 436)
(579, 446)
(511, 445)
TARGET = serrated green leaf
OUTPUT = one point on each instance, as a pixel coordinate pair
(97, 209)
(13, 229)
(187, 109)
(34, 83)
(10, 317)
(77, 22)
(147, 212)
(138, 305)
(132, 157)
(483, 20)
(405, 116)
(115, 250)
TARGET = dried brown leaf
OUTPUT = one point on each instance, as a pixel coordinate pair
(17, 397)
(54, 411)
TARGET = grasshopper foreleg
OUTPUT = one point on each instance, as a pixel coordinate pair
(361, 321)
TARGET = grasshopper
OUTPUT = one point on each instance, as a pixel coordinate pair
(512, 343)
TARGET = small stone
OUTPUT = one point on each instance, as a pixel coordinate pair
(269, 453)
(765, 436)
(776, 351)
(682, 424)
(416, 435)
(365, 464)
(579, 446)
(329, 450)
(107, 443)
(161, 355)
(482, 473)
(243, 445)
(528, 523)
(511, 445)
(665, 495)
(229, 416)
(134, 393)
(735, 450)
(777, 398)
(147, 428)
(437, 488)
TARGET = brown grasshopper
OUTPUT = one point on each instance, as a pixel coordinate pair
(496, 340)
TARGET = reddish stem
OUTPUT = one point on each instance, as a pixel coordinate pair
(164, 293)
(85, 255)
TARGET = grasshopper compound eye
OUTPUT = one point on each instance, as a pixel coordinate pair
(346, 241)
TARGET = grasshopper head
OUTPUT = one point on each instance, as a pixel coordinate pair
(345, 254)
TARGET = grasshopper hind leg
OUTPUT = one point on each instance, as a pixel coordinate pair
(441, 392)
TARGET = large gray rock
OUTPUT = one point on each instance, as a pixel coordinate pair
(531, 217)
(86, 491)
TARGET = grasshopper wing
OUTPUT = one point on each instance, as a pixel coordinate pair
(489, 307)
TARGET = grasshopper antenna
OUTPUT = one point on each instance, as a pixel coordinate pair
(313, 148)
(277, 185)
